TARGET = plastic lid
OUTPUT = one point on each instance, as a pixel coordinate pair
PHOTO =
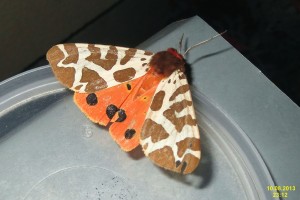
(50, 150)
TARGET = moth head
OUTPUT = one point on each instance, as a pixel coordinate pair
(166, 62)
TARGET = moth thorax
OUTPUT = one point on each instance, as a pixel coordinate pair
(166, 62)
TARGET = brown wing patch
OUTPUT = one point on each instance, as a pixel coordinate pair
(129, 53)
(188, 143)
(124, 75)
(110, 58)
(148, 53)
(155, 130)
(163, 157)
(63, 74)
(72, 52)
(158, 100)
(192, 163)
(93, 80)
(180, 90)
(179, 122)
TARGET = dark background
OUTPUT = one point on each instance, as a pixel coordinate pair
(266, 32)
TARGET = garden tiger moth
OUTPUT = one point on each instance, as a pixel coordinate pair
(145, 97)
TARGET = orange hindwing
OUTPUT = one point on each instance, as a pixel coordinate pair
(123, 106)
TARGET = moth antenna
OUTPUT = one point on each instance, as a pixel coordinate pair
(203, 42)
(180, 43)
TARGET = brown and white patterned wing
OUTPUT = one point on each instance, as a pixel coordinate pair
(170, 134)
(89, 68)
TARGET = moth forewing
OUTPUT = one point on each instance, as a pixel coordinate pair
(89, 68)
(170, 135)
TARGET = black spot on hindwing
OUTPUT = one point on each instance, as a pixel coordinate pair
(91, 99)
(122, 115)
(128, 86)
(129, 133)
(111, 111)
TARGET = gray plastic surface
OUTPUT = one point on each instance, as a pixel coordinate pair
(52, 151)
(49, 150)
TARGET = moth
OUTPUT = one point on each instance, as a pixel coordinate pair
(143, 97)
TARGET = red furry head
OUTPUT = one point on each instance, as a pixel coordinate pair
(166, 62)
